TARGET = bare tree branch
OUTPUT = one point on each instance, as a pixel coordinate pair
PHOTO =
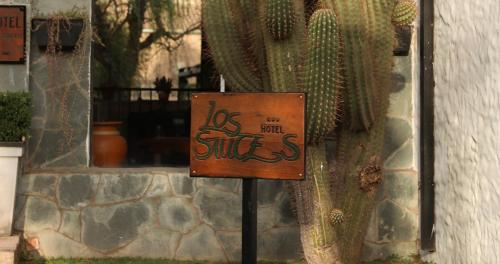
(120, 25)
(161, 34)
(106, 6)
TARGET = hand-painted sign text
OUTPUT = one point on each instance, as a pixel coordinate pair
(12, 34)
(248, 135)
(228, 145)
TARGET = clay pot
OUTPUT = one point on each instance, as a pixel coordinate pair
(109, 149)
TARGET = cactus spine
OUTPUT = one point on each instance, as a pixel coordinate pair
(344, 47)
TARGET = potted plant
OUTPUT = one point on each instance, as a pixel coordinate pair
(163, 86)
(15, 120)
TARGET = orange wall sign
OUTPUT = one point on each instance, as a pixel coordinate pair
(12, 34)
(254, 135)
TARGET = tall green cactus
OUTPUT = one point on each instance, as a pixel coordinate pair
(341, 56)
(322, 73)
(358, 62)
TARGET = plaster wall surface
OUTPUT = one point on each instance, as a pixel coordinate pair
(48, 7)
(467, 121)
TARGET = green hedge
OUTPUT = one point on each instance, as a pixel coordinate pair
(15, 116)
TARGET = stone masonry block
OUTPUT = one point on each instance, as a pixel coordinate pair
(396, 223)
(201, 244)
(231, 242)
(155, 244)
(44, 185)
(160, 186)
(107, 228)
(71, 225)
(398, 131)
(268, 191)
(76, 191)
(282, 242)
(402, 188)
(220, 209)
(41, 214)
(228, 185)
(177, 214)
(118, 187)
(402, 158)
(56, 245)
(182, 185)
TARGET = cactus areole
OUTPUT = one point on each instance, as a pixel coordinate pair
(248, 135)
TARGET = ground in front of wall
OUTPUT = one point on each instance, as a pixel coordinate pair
(391, 260)
(124, 261)
(394, 259)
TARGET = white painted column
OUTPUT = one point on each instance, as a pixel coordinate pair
(467, 126)
(9, 173)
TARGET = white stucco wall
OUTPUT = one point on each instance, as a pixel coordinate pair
(467, 131)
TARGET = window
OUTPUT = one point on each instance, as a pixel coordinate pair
(145, 66)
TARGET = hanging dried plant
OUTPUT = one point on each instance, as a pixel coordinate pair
(67, 57)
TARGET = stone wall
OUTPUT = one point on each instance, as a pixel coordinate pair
(60, 86)
(159, 214)
(394, 224)
(467, 121)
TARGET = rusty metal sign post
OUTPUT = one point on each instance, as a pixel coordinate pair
(12, 34)
(249, 136)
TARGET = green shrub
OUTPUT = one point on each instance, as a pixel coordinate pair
(15, 116)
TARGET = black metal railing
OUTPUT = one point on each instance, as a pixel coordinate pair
(155, 123)
(113, 103)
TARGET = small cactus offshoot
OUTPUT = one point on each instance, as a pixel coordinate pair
(404, 13)
(336, 216)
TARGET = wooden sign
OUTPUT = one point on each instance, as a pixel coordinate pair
(248, 135)
(12, 34)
